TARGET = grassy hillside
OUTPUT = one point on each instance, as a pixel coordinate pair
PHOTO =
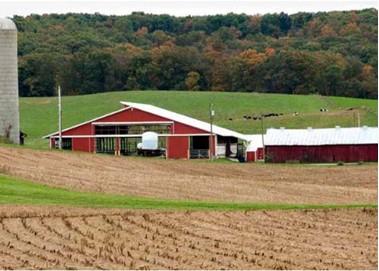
(39, 115)
(16, 191)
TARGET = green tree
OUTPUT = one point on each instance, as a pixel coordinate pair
(284, 22)
(332, 53)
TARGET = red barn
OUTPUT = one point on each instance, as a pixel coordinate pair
(322, 145)
(119, 132)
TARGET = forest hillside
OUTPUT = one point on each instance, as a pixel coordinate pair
(333, 53)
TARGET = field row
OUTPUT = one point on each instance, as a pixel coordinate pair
(194, 180)
(196, 240)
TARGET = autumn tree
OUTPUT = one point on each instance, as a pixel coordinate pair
(192, 80)
(330, 53)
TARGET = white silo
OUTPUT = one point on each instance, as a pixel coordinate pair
(9, 110)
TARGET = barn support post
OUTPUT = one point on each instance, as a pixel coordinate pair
(118, 146)
(215, 146)
(94, 145)
(166, 148)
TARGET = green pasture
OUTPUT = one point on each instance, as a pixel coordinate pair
(17, 191)
(39, 115)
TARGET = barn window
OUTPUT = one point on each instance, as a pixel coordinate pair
(140, 129)
(66, 143)
(111, 130)
(130, 129)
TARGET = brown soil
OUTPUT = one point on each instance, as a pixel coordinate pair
(67, 238)
(195, 180)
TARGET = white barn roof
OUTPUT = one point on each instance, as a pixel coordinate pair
(166, 114)
(314, 137)
(254, 142)
(205, 126)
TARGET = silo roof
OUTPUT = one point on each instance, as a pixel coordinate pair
(7, 24)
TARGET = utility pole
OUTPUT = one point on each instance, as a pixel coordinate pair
(60, 117)
(211, 116)
(263, 140)
(356, 112)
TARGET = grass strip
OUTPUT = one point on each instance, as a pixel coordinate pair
(16, 191)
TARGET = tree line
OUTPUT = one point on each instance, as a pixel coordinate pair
(332, 53)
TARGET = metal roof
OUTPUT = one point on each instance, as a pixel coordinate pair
(168, 115)
(6, 24)
(254, 142)
(205, 126)
(328, 136)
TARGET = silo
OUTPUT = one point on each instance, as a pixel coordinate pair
(9, 110)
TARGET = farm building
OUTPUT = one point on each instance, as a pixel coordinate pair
(181, 137)
(254, 148)
(322, 145)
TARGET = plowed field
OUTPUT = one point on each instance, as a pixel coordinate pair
(194, 180)
(40, 238)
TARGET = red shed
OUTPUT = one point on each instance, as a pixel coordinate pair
(254, 149)
(119, 133)
(322, 145)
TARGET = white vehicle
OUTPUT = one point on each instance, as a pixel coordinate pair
(149, 145)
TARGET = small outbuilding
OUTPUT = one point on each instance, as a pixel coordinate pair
(254, 148)
(322, 145)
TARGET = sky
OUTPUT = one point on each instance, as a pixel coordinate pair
(177, 7)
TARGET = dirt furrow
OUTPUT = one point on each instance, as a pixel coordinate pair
(142, 239)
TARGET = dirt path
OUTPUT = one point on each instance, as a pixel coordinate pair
(61, 238)
(194, 179)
